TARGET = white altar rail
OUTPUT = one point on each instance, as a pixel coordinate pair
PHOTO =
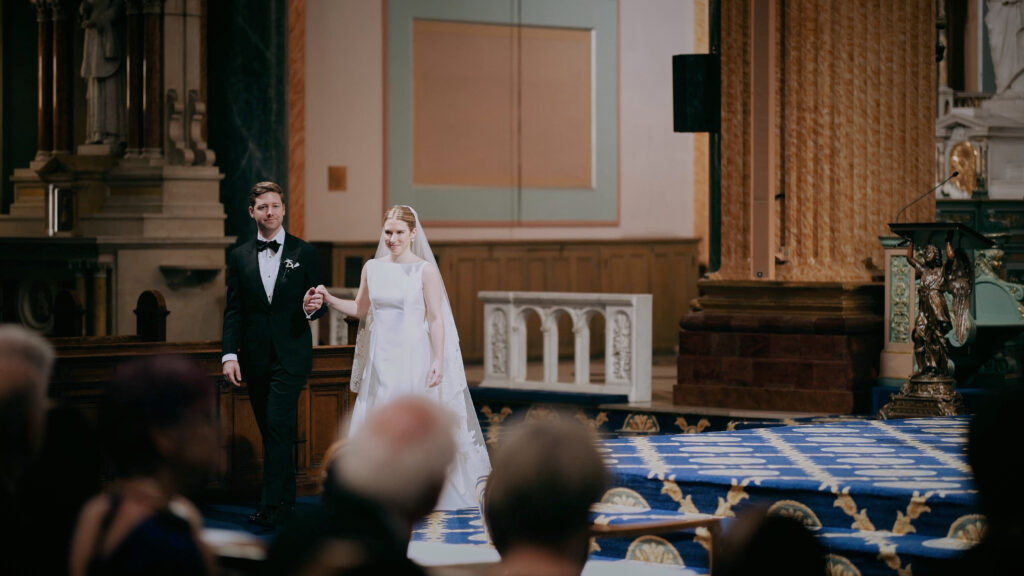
(628, 333)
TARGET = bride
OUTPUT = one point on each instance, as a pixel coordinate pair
(407, 344)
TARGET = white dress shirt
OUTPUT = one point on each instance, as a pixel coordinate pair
(270, 262)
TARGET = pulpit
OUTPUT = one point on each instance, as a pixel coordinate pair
(943, 319)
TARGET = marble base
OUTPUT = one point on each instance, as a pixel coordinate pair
(115, 150)
(781, 346)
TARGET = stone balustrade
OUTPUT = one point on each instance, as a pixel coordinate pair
(627, 359)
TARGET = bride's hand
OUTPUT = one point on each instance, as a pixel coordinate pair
(435, 375)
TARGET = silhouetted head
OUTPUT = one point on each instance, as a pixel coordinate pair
(546, 475)
(400, 457)
(26, 360)
(160, 413)
(994, 433)
(757, 542)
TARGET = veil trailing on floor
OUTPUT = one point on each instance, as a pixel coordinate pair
(454, 389)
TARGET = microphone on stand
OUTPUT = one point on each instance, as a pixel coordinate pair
(919, 198)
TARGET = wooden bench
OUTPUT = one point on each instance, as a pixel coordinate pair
(85, 366)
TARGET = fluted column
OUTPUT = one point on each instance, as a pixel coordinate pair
(153, 78)
(63, 75)
(855, 108)
(134, 58)
(44, 75)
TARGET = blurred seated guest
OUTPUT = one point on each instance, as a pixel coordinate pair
(64, 476)
(379, 483)
(157, 425)
(546, 475)
(994, 433)
(26, 360)
(757, 542)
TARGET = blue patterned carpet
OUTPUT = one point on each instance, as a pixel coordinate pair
(885, 497)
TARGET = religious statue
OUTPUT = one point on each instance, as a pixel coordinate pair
(935, 320)
(944, 324)
(103, 71)
(1005, 23)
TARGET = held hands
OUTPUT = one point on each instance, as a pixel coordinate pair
(233, 373)
(435, 375)
(313, 299)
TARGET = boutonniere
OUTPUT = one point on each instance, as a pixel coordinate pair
(289, 264)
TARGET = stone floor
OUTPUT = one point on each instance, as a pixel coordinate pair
(663, 378)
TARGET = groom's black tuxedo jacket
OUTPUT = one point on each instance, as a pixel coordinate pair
(255, 327)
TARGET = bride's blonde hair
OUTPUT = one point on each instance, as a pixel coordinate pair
(403, 213)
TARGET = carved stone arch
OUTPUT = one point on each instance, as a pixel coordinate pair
(582, 316)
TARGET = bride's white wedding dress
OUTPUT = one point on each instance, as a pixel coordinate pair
(393, 358)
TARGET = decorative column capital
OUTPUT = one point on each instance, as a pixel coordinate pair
(153, 6)
(43, 11)
(60, 9)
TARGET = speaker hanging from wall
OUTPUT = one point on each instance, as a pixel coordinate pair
(696, 92)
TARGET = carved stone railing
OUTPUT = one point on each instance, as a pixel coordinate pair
(627, 341)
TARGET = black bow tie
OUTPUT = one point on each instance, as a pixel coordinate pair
(262, 245)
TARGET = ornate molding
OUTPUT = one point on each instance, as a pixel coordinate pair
(900, 294)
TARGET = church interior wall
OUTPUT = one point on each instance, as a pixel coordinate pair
(344, 126)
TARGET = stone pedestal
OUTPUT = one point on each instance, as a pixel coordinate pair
(924, 396)
(136, 227)
(897, 359)
(783, 346)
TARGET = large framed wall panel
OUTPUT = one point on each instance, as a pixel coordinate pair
(503, 112)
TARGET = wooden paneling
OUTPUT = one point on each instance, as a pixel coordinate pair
(667, 269)
(85, 366)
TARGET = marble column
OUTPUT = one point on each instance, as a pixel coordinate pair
(99, 302)
(855, 100)
(44, 70)
(134, 56)
(63, 75)
(153, 81)
(827, 131)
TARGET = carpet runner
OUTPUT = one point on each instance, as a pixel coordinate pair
(884, 497)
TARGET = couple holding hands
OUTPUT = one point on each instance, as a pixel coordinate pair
(407, 341)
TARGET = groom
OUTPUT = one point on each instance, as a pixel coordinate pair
(267, 340)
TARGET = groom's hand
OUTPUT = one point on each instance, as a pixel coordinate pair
(312, 301)
(233, 372)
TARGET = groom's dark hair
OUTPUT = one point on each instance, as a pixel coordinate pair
(261, 188)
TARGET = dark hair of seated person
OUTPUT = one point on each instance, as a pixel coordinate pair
(757, 542)
(994, 437)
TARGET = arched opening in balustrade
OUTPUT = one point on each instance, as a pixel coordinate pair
(566, 344)
(597, 330)
(532, 319)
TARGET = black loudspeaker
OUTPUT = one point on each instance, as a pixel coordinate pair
(696, 92)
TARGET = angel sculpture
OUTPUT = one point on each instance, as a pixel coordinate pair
(935, 320)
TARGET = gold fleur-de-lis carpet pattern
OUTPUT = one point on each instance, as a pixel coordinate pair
(885, 497)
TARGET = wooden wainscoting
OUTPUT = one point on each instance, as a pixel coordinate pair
(85, 366)
(667, 269)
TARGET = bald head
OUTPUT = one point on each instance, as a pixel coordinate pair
(22, 347)
(26, 360)
(400, 457)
